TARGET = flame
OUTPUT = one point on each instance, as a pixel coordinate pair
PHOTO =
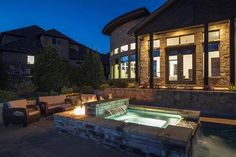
(79, 110)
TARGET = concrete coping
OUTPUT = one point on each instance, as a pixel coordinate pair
(106, 101)
(186, 114)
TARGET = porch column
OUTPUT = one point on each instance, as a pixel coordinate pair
(151, 61)
(232, 51)
(206, 50)
(137, 59)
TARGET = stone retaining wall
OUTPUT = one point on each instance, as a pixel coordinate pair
(208, 102)
(98, 108)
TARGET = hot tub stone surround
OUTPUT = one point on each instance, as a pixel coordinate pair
(172, 141)
(99, 108)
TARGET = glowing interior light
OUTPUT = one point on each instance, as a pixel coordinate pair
(79, 110)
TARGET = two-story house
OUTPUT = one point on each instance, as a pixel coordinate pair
(19, 47)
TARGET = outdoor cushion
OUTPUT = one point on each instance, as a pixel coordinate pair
(59, 99)
(31, 113)
(47, 99)
(88, 98)
(17, 104)
(18, 114)
(59, 106)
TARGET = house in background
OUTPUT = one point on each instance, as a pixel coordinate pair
(169, 44)
(19, 47)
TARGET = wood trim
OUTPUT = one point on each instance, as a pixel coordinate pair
(137, 59)
(151, 85)
(206, 50)
(232, 51)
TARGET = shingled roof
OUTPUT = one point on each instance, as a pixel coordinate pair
(26, 45)
(26, 31)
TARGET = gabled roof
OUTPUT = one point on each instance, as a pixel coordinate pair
(26, 31)
(184, 13)
(153, 15)
(135, 14)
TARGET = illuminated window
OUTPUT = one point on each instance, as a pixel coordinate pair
(132, 46)
(213, 36)
(173, 66)
(172, 41)
(156, 63)
(124, 48)
(30, 59)
(213, 60)
(156, 44)
(187, 39)
(116, 51)
(181, 63)
(132, 66)
(124, 66)
(116, 69)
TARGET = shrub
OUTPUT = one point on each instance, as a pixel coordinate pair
(7, 96)
(87, 90)
(53, 93)
(119, 83)
(90, 73)
(104, 86)
(66, 90)
(25, 89)
(131, 85)
(3, 78)
(50, 71)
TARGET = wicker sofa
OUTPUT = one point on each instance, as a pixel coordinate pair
(53, 104)
(20, 112)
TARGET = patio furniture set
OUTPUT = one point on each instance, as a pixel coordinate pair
(23, 112)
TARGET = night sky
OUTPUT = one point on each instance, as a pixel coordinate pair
(82, 20)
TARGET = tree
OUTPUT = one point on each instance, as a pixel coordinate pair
(50, 71)
(90, 72)
(3, 78)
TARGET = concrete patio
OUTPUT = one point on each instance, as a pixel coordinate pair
(40, 139)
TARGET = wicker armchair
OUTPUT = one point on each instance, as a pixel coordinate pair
(19, 112)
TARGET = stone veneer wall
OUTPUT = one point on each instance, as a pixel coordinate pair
(99, 108)
(214, 102)
(120, 36)
(222, 81)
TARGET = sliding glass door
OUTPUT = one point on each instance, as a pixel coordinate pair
(180, 65)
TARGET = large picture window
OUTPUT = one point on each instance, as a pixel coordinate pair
(124, 67)
(181, 65)
(156, 63)
(132, 66)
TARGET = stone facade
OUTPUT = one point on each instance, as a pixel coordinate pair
(120, 36)
(100, 108)
(208, 102)
(223, 81)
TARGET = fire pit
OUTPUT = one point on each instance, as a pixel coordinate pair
(140, 129)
